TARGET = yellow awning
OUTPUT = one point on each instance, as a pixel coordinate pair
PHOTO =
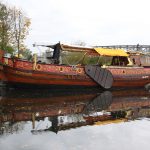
(111, 52)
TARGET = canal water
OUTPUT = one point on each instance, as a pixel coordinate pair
(86, 119)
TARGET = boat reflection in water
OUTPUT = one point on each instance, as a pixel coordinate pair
(69, 109)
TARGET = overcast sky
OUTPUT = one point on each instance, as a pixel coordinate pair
(95, 22)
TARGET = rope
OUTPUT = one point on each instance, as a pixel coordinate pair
(75, 62)
(98, 61)
(67, 61)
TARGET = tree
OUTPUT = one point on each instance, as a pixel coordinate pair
(5, 27)
(14, 27)
(20, 28)
(27, 54)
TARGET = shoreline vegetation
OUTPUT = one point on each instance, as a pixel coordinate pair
(14, 28)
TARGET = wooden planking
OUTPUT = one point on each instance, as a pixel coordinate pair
(48, 79)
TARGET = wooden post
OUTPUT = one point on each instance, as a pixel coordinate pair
(34, 61)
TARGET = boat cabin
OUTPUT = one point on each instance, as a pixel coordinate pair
(77, 55)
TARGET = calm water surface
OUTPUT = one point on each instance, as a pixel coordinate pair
(74, 119)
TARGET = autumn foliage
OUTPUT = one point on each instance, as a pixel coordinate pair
(14, 28)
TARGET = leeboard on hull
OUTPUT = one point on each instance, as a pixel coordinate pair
(101, 76)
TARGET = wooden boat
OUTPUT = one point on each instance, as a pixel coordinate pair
(121, 72)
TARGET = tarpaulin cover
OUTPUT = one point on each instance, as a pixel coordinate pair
(111, 52)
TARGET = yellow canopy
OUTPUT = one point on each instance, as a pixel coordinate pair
(111, 52)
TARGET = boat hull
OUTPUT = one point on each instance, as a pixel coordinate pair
(20, 73)
(130, 76)
(37, 79)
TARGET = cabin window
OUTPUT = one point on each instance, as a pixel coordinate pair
(119, 61)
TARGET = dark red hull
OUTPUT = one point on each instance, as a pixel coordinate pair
(21, 76)
(22, 73)
(130, 76)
